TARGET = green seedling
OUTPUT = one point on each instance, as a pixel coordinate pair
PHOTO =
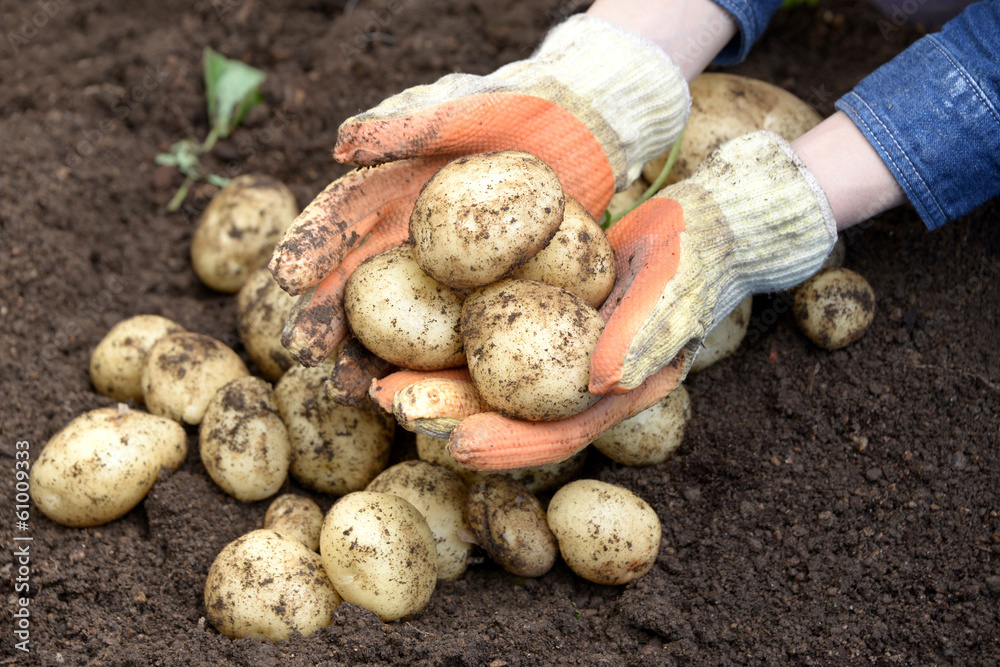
(607, 220)
(232, 88)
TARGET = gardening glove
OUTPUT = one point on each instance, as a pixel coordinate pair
(594, 101)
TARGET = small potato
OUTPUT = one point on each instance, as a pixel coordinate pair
(182, 373)
(439, 495)
(244, 443)
(528, 346)
(834, 308)
(239, 229)
(336, 449)
(579, 258)
(509, 523)
(262, 309)
(116, 363)
(380, 554)
(650, 437)
(295, 516)
(626, 199)
(103, 463)
(536, 479)
(266, 585)
(726, 337)
(402, 314)
(482, 216)
(607, 534)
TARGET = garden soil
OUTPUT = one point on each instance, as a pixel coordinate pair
(831, 508)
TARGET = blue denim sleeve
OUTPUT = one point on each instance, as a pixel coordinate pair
(752, 16)
(933, 115)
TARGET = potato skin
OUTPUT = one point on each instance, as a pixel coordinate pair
(102, 464)
(482, 216)
(650, 437)
(725, 338)
(295, 516)
(403, 315)
(528, 346)
(116, 363)
(834, 308)
(262, 309)
(266, 585)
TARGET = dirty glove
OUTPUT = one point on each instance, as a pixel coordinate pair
(594, 101)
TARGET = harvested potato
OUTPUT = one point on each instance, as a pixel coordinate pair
(482, 216)
(379, 553)
(239, 229)
(650, 437)
(439, 495)
(536, 479)
(725, 337)
(623, 201)
(295, 516)
(262, 309)
(103, 463)
(182, 373)
(244, 443)
(116, 363)
(336, 449)
(834, 308)
(509, 524)
(725, 106)
(579, 258)
(607, 534)
(528, 346)
(266, 585)
(402, 314)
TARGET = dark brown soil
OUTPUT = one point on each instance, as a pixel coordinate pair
(826, 507)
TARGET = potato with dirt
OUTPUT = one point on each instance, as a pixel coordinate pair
(262, 308)
(116, 363)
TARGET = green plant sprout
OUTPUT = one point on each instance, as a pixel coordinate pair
(232, 88)
(607, 219)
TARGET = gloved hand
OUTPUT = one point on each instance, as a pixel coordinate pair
(594, 101)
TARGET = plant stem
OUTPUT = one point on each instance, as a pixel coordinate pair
(210, 140)
(180, 195)
(656, 185)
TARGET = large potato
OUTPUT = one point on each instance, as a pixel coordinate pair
(267, 585)
(336, 449)
(262, 309)
(650, 437)
(482, 216)
(103, 463)
(607, 534)
(243, 441)
(725, 106)
(528, 346)
(834, 308)
(380, 554)
(239, 229)
(402, 314)
(116, 363)
(439, 495)
(182, 373)
(579, 258)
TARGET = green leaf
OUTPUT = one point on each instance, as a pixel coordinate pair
(185, 155)
(220, 181)
(232, 88)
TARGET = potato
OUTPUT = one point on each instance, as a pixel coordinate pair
(834, 308)
(650, 437)
(626, 199)
(536, 479)
(509, 524)
(239, 229)
(725, 337)
(116, 363)
(379, 553)
(266, 585)
(402, 314)
(182, 373)
(607, 534)
(262, 309)
(295, 516)
(439, 495)
(244, 443)
(528, 346)
(482, 216)
(725, 106)
(336, 449)
(103, 463)
(579, 258)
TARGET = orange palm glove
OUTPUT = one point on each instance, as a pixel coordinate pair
(594, 101)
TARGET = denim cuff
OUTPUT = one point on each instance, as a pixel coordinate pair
(752, 16)
(933, 115)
